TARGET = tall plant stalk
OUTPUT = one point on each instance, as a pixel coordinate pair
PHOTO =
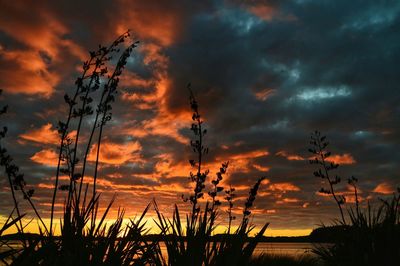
(63, 130)
(106, 51)
(97, 65)
(319, 144)
(3, 162)
(197, 146)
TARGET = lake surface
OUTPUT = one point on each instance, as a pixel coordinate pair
(292, 249)
(284, 248)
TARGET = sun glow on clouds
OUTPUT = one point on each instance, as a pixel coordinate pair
(39, 39)
(46, 157)
(268, 12)
(264, 12)
(264, 94)
(149, 21)
(283, 187)
(29, 71)
(345, 158)
(287, 200)
(243, 162)
(43, 135)
(45, 34)
(117, 154)
(26, 73)
(167, 167)
(290, 157)
(384, 188)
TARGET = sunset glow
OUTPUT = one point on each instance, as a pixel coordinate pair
(265, 74)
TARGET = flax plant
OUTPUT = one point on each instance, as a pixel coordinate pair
(371, 237)
(194, 243)
(83, 239)
(319, 144)
(16, 180)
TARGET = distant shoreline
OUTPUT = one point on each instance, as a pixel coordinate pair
(219, 237)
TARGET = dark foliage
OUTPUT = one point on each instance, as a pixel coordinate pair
(372, 235)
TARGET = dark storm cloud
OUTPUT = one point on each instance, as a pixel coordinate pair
(332, 67)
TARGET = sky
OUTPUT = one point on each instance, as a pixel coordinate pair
(266, 74)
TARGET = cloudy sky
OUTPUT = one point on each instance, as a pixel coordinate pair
(265, 73)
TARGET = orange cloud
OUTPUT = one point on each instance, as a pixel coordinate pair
(264, 94)
(130, 79)
(261, 168)
(243, 162)
(165, 123)
(267, 12)
(159, 22)
(263, 11)
(287, 200)
(167, 167)
(249, 155)
(26, 73)
(286, 186)
(44, 32)
(117, 154)
(290, 157)
(384, 188)
(346, 158)
(46, 157)
(44, 135)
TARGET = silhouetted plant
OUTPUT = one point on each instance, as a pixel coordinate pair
(217, 189)
(372, 235)
(16, 179)
(199, 177)
(352, 181)
(80, 107)
(10, 252)
(83, 240)
(229, 198)
(193, 244)
(371, 238)
(319, 144)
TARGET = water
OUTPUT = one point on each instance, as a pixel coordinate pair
(277, 248)
(291, 249)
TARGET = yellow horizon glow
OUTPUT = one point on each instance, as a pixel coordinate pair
(33, 227)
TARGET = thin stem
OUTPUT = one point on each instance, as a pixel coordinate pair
(200, 153)
(79, 126)
(199, 149)
(329, 180)
(15, 202)
(27, 197)
(103, 108)
(63, 136)
(357, 202)
(113, 45)
(97, 159)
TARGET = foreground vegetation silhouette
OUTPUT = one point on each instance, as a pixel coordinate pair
(372, 235)
(369, 238)
(85, 239)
